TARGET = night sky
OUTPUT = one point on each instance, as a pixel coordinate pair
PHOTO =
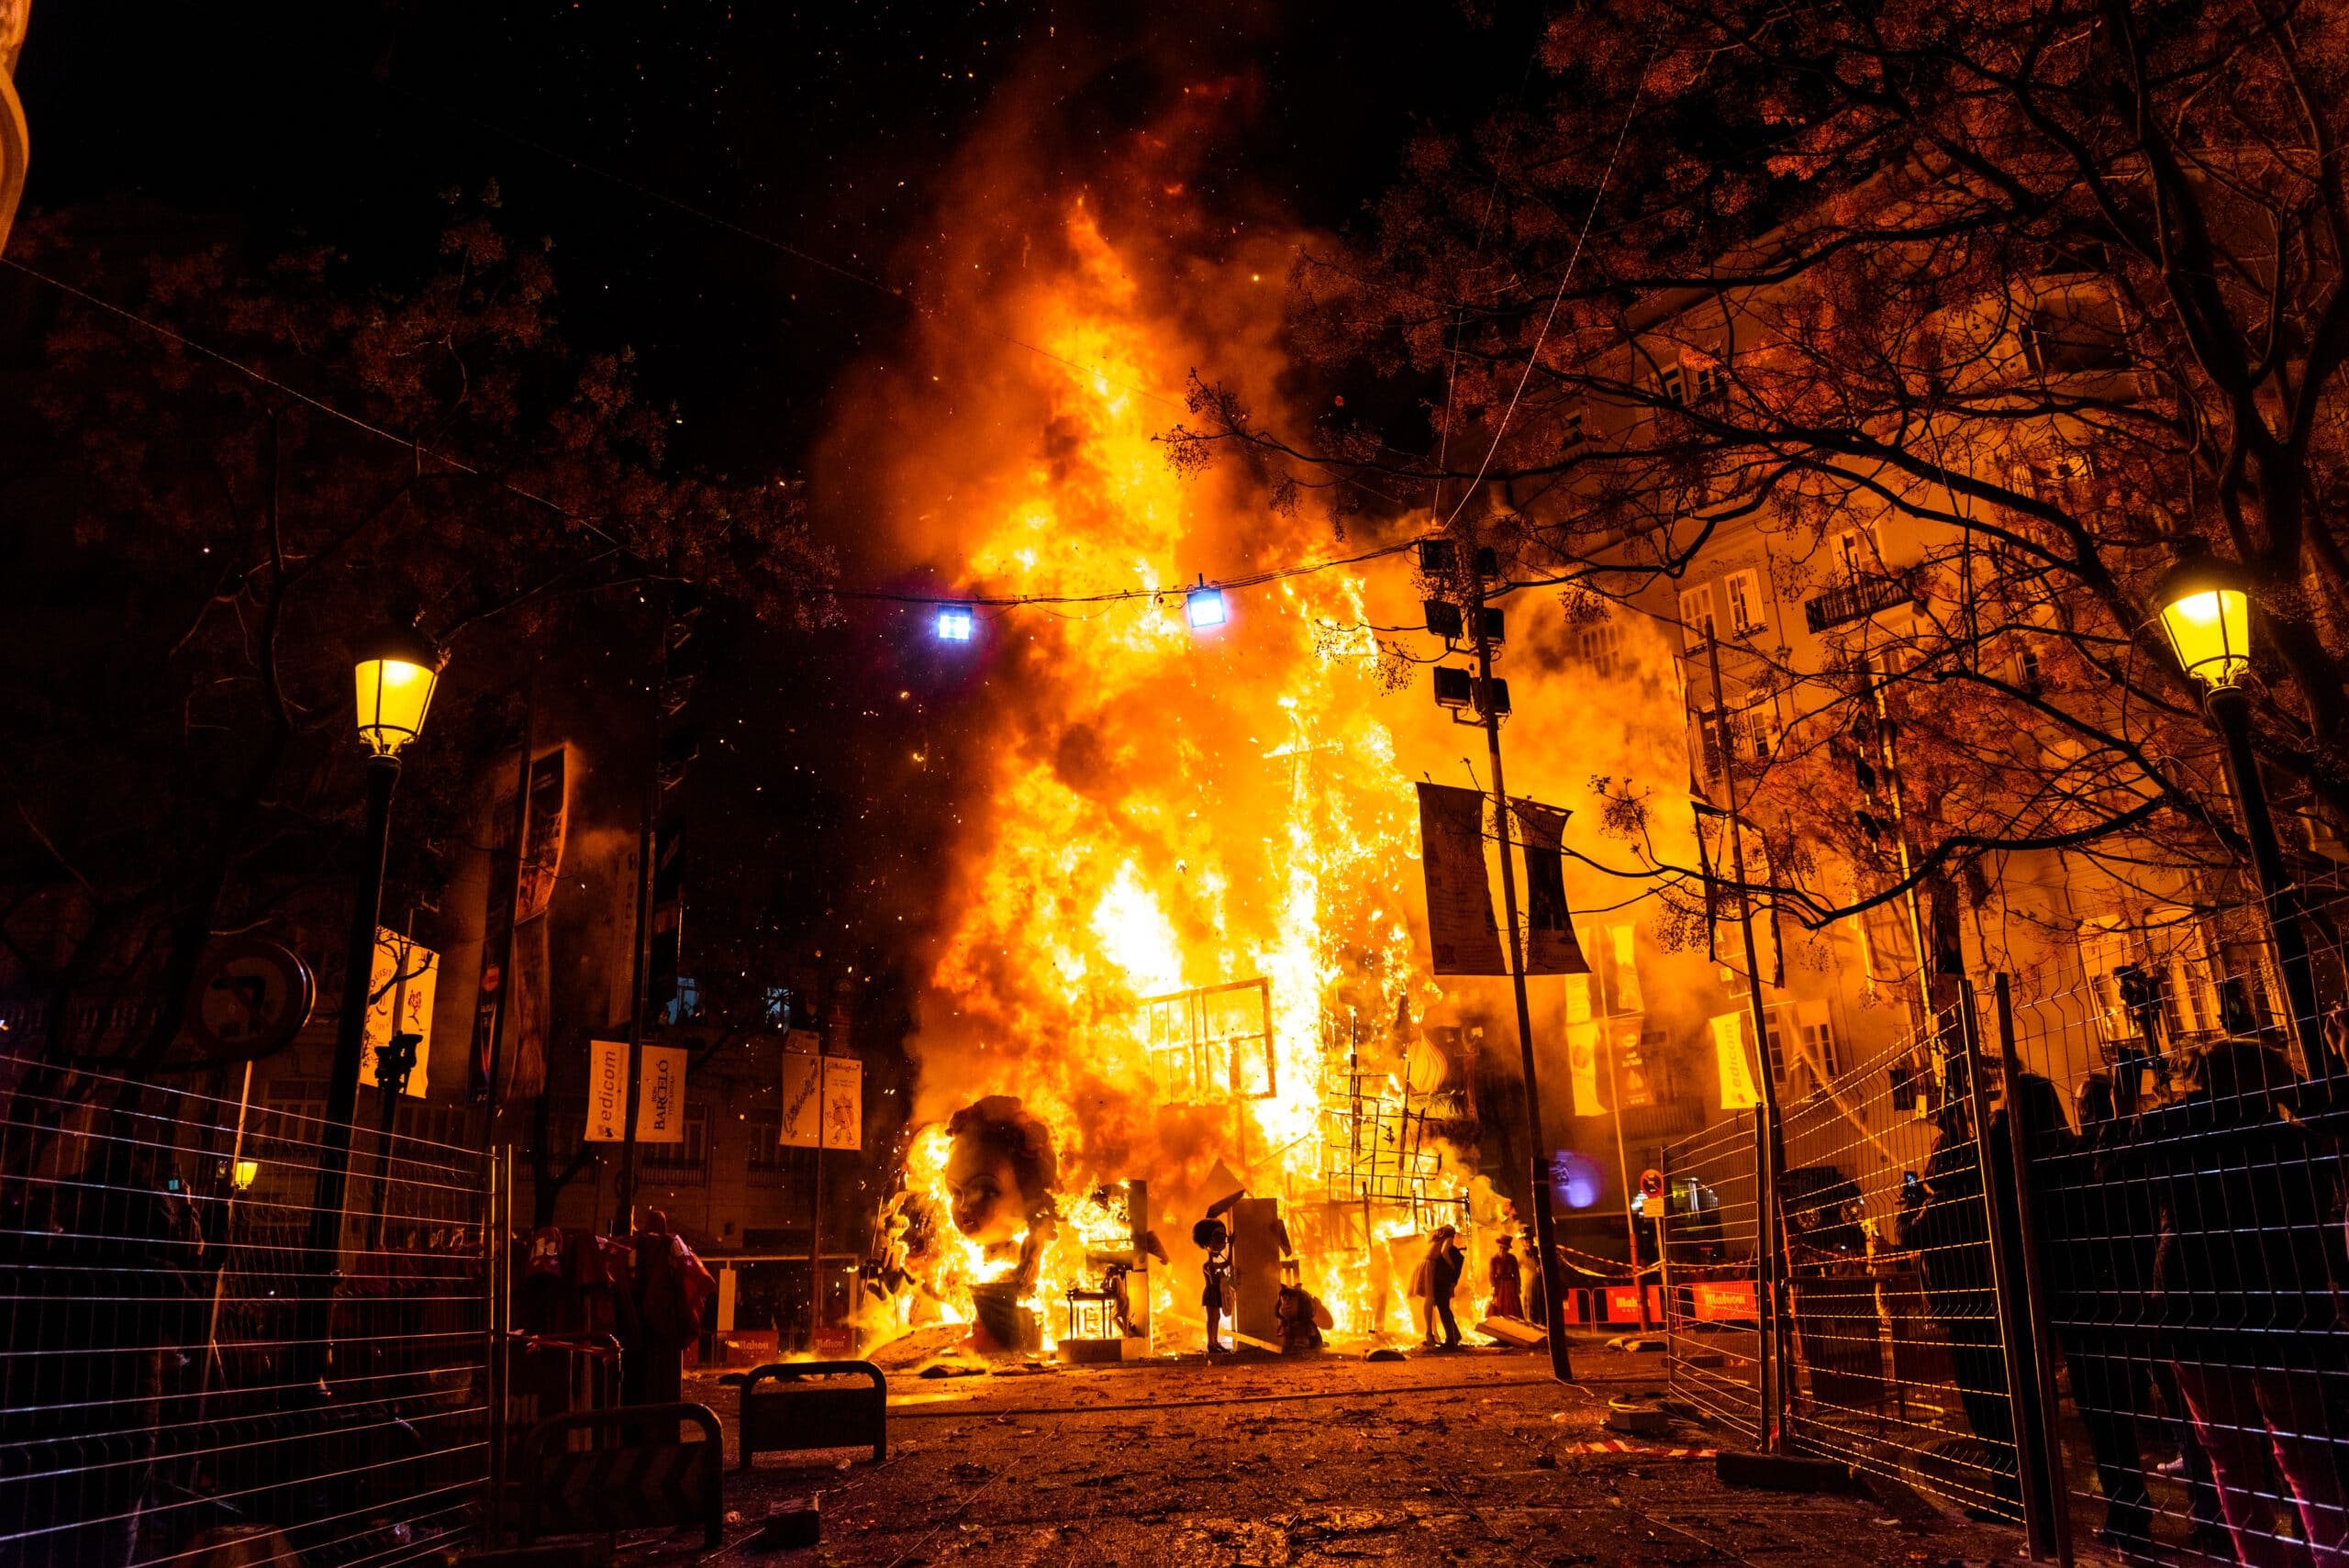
(815, 128)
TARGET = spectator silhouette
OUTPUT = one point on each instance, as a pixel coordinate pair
(2244, 1276)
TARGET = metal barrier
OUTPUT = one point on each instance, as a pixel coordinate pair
(171, 1369)
(2184, 1173)
(2075, 1260)
(798, 1415)
(646, 1481)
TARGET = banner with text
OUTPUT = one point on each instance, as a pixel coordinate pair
(843, 1103)
(1463, 937)
(803, 1100)
(1734, 1063)
(660, 1092)
(1550, 944)
(399, 1001)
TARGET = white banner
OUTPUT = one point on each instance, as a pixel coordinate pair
(404, 1008)
(1582, 1058)
(843, 1103)
(1735, 1065)
(606, 1090)
(803, 1108)
(660, 1096)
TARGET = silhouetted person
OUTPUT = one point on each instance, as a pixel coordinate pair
(1213, 1237)
(1951, 1232)
(1507, 1279)
(2245, 1275)
(1438, 1277)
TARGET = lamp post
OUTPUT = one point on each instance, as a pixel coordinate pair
(2205, 613)
(396, 674)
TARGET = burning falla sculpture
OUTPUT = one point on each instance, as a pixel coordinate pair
(1001, 1169)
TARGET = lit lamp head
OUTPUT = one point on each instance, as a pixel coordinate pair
(1202, 605)
(244, 1174)
(2207, 615)
(954, 623)
(396, 673)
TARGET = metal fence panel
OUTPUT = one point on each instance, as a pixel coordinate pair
(173, 1372)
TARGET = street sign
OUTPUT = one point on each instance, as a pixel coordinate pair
(1652, 1183)
(250, 998)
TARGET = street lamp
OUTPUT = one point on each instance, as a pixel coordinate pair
(394, 678)
(2206, 614)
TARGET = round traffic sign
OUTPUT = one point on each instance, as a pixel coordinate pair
(250, 998)
(1652, 1183)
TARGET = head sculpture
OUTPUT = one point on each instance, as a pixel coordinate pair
(1000, 1169)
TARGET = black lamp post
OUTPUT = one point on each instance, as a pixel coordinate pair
(2205, 613)
(396, 674)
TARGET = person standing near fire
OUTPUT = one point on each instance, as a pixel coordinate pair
(1507, 1279)
(1210, 1236)
(1432, 1285)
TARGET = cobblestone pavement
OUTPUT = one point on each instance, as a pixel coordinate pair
(1476, 1457)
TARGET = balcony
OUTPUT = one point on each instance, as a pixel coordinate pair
(1858, 599)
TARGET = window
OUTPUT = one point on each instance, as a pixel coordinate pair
(1709, 381)
(768, 1156)
(2027, 671)
(1668, 386)
(1818, 1041)
(1697, 615)
(1571, 433)
(2075, 334)
(684, 1164)
(1748, 608)
(1601, 646)
(1859, 553)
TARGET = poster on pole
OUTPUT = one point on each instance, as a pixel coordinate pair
(1634, 1085)
(660, 1096)
(606, 1090)
(803, 1108)
(1550, 944)
(1463, 937)
(1582, 1062)
(843, 1103)
(1735, 1065)
(399, 1001)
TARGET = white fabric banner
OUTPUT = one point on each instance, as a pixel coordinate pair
(1736, 1066)
(843, 1103)
(606, 1090)
(404, 1008)
(660, 1096)
(803, 1109)
(1582, 1058)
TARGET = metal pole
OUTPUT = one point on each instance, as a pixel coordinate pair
(1554, 1311)
(640, 957)
(1770, 1372)
(496, 1244)
(2003, 1271)
(1623, 1173)
(816, 1225)
(2229, 708)
(325, 1240)
(2034, 1301)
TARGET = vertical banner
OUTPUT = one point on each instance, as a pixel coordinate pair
(803, 1108)
(1623, 975)
(843, 1103)
(506, 830)
(399, 1001)
(1550, 944)
(661, 1094)
(1582, 1062)
(1736, 1066)
(540, 867)
(1463, 937)
(606, 1090)
(1634, 1087)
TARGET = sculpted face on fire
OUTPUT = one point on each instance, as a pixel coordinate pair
(1000, 1169)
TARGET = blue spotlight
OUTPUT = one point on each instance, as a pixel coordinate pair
(1202, 605)
(954, 623)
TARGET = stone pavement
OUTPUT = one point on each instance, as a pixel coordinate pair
(1474, 1457)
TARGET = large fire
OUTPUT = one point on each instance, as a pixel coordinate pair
(1164, 811)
